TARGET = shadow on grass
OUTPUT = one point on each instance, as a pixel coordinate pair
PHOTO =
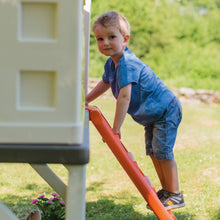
(103, 209)
(21, 208)
(106, 209)
(216, 215)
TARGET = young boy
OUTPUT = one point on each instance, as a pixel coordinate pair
(143, 95)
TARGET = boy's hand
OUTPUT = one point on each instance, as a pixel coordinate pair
(117, 133)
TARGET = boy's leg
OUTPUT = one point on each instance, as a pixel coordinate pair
(170, 174)
(163, 138)
(159, 171)
(164, 135)
(162, 167)
(167, 173)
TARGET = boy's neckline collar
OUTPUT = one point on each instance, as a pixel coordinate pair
(113, 64)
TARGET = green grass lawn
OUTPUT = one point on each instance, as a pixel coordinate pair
(110, 193)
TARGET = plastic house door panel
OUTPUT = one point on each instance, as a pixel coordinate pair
(40, 71)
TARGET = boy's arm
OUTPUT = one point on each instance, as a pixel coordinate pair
(100, 88)
(122, 105)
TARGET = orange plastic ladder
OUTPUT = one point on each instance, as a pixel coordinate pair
(124, 157)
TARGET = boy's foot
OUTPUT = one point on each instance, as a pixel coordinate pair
(172, 200)
(159, 194)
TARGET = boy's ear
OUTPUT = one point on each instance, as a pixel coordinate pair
(126, 38)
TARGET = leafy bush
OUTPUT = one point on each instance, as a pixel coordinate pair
(179, 39)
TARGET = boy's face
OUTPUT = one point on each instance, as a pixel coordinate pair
(110, 41)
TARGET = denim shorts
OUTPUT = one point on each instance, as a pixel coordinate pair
(160, 136)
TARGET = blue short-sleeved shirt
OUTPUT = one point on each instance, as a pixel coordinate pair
(149, 96)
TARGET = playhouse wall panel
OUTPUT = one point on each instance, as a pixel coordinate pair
(40, 71)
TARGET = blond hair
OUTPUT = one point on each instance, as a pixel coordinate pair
(113, 18)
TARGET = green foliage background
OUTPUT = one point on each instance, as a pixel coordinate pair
(179, 39)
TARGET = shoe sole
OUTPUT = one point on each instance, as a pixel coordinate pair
(175, 206)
